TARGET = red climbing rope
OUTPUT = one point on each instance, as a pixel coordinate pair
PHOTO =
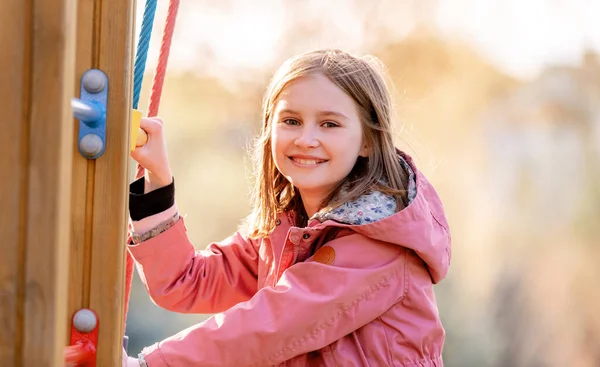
(155, 94)
(163, 57)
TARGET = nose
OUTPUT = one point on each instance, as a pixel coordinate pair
(308, 137)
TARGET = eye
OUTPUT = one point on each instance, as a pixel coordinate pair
(290, 122)
(330, 124)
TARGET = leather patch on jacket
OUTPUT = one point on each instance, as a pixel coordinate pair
(325, 255)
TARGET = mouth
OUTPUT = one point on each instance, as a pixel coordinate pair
(307, 161)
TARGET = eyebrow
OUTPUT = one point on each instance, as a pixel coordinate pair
(321, 113)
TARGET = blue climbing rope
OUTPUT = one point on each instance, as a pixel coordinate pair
(139, 66)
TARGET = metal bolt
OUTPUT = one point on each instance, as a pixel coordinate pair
(84, 320)
(90, 145)
(94, 81)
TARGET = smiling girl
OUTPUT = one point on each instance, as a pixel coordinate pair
(340, 253)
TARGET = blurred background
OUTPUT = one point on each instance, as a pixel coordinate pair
(498, 101)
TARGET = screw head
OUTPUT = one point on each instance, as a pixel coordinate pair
(90, 145)
(94, 81)
(84, 320)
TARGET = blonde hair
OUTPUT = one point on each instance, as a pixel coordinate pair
(363, 81)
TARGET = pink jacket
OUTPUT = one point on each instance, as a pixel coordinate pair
(364, 298)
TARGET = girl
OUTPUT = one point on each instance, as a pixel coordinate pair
(337, 263)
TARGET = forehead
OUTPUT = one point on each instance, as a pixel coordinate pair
(315, 93)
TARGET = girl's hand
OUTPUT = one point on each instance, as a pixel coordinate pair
(153, 155)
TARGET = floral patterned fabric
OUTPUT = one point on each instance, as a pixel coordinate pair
(371, 207)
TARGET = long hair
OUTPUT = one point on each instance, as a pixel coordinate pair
(362, 79)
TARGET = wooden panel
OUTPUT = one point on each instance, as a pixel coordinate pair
(99, 207)
(49, 164)
(52, 196)
(36, 69)
(14, 87)
(110, 184)
(82, 183)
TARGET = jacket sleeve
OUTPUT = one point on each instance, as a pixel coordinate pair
(181, 279)
(311, 306)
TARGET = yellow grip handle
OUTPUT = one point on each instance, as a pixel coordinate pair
(138, 136)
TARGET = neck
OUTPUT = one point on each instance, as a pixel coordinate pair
(311, 202)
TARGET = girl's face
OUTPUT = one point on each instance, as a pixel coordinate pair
(316, 135)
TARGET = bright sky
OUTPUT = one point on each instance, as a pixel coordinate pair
(523, 35)
(519, 36)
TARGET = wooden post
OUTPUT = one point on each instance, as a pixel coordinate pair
(62, 217)
(36, 79)
(99, 187)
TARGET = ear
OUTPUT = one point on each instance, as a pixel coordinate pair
(364, 151)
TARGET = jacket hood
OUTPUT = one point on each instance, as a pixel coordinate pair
(421, 226)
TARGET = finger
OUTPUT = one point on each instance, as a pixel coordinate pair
(157, 119)
(151, 126)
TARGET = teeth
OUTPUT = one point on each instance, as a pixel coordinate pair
(307, 161)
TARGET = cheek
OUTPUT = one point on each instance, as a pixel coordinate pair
(349, 148)
(274, 141)
(348, 152)
(277, 144)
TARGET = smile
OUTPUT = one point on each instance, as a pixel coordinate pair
(307, 161)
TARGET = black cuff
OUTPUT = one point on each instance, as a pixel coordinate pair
(144, 205)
